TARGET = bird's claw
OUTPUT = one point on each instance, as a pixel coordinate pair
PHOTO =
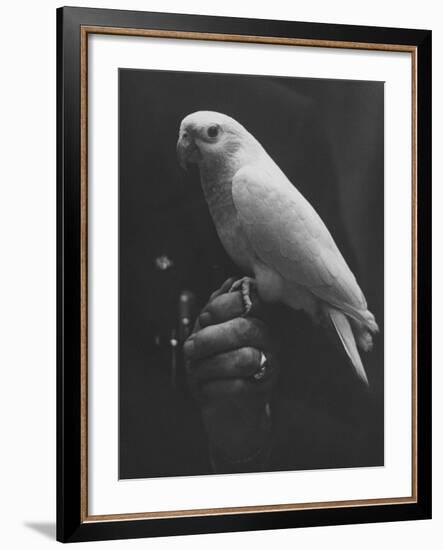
(244, 285)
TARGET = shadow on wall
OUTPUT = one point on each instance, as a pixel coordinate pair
(47, 529)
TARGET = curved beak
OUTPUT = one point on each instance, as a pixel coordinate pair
(186, 150)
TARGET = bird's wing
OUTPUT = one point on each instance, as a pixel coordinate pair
(288, 235)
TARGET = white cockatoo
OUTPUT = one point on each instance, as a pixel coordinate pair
(272, 232)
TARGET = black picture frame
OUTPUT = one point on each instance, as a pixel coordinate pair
(72, 525)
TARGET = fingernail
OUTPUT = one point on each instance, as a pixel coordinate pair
(205, 318)
(188, 347)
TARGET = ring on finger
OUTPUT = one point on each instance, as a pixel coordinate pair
(261, 371)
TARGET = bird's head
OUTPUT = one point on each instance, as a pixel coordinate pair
(209, 136)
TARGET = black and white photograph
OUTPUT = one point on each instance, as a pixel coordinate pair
(243, 274)
(251, 273)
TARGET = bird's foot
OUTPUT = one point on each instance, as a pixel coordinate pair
(244, 285)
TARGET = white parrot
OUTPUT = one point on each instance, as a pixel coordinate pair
(272, 232)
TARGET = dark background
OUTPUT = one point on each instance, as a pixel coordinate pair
(327, 136)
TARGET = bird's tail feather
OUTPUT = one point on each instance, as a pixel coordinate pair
(362, 317)
(344, 331)
(364, 324)
(363, 333)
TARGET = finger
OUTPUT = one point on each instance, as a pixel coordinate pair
(240, 363)
(233, 334)
(227, 306)
(222, 308)
(196, 327)
(224, 288)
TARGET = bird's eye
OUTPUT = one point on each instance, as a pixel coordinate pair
(212, 131)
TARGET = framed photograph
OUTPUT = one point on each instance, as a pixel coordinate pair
(244, 271)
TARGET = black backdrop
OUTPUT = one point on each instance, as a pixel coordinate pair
(327, 136)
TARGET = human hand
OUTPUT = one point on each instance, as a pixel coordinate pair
(223, 353)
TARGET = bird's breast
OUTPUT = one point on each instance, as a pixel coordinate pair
(218, 195)
(235, 243)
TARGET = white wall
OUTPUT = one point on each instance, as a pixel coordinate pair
(27, 247)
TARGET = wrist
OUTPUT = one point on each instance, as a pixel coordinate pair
(251, 457)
